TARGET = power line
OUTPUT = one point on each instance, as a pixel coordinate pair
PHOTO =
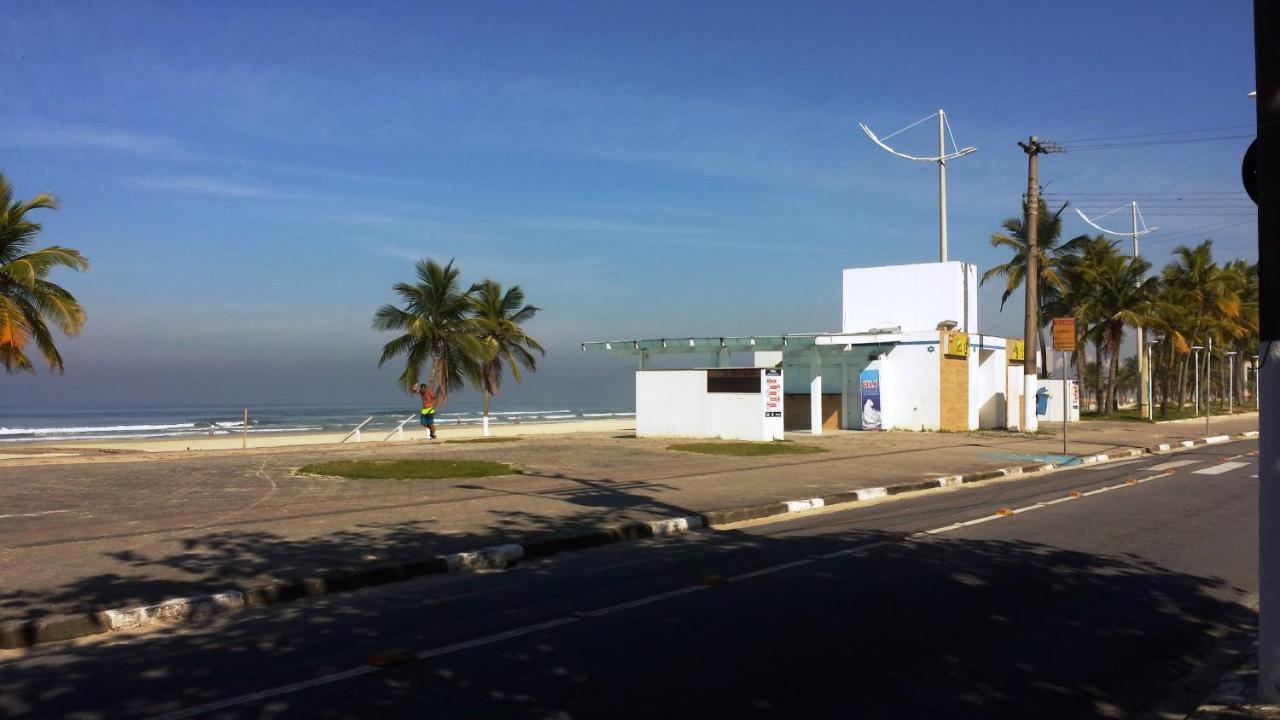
(1182, 235)
(1162, 134)
(1163, 192)
(1142, 143)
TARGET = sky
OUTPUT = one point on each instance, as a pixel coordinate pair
(250, 179)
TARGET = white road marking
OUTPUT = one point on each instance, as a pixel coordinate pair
(644, 601)
(1174, 464)
(1220, 468)
(33, 514)
(265, 694)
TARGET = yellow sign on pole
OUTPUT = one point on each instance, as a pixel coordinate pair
(1064, 334)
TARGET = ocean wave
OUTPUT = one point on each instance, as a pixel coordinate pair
(142, 431)
(93, 429)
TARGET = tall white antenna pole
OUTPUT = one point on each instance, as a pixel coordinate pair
(942, 158)
(942, 187)
(1144, 371)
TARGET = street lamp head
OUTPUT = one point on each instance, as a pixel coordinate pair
(1197, 347)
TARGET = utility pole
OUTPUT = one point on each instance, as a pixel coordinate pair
(1031, 320)
(1031, 314)
(942, 186)
(1144, 403)
(1266, 45)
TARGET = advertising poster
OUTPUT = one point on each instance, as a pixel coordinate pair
(869, 382)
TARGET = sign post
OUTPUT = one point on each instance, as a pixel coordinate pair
(1064, 339)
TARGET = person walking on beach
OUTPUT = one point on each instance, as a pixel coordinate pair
(428, 414)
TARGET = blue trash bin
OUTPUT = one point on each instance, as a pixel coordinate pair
(1042, 401)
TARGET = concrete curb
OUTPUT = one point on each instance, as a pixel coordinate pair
(27, 633)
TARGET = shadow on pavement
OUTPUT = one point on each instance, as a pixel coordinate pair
(943, 628)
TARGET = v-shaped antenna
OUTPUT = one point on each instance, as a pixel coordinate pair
(944, 129)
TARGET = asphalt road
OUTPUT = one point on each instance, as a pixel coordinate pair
(1110, 604)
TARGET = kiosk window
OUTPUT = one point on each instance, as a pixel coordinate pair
(733, 380)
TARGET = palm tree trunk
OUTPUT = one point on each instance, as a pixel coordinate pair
(1080, 363)
(1222, 386)
(1165, 381)
(1098, 388)
(485, 412)
(1182, 381)
(1044, 355)
(1113, 348)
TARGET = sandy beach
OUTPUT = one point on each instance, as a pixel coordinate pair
(412, 433)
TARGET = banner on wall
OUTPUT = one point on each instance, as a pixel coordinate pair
(869, 383)
(773, 393)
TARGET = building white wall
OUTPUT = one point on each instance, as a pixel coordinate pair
(988, 405)
(766, 358)
(670, 402)
(1054, 411)
(910, 387)
(1013, 397)
(675, 403)
(913, 297)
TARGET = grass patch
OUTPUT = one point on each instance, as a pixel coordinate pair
(746, 449)
(484, 440)
(409, 469)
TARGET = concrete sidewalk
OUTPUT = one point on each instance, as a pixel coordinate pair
(81, 536)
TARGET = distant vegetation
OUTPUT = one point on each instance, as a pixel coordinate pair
(29, 302)
(409, 469)
(458, 336)
(746, 449)
(1190, 301)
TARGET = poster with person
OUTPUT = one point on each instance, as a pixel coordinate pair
(869, 383)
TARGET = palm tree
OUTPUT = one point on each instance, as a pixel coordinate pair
(1048, 230)
(28, 301)
(1245, 340)
(1122, 296)
(1210, 295)
(497, 318)
(1076, 262)
(438, 329)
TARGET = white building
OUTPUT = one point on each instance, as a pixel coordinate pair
(909, 354)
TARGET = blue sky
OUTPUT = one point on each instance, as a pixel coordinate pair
(249, 179)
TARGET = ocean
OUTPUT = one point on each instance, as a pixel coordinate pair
(24, 424)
